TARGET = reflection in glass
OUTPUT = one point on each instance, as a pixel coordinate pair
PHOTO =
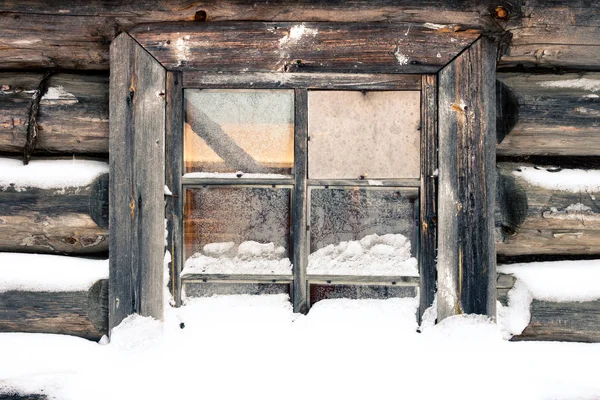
(237, 230)
(370, 134)
(362, 232)
(229, 130)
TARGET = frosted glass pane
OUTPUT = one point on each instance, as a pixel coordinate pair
(362, 232)
(374, 135)
(237, 230)
(239, 130)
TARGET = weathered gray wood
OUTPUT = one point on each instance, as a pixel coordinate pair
(565, 321)
(466, 248)
(11, 395)
(549, 114)
(428, 193)
(404, 183)
(36, 35)
(532, 219)
(300, 203)
(173, 173)
(306, 47)
(361, 280)
(80, 313)
(239, 278)
(73, 115)
(137, 162)
(72, 220)
(292, 80)
(191, 181)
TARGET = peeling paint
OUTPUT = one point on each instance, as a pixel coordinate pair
(58, 93)
(183, 50)
(294, 36)
(429, 25)
(591, 85)
(402, 59)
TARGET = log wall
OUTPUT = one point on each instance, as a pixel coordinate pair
(548, 112)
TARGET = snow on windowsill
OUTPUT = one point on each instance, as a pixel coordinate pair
(234, 175)
(385, 255)
(49, 174)
(249, 258)
(572, 180)
(49, 273)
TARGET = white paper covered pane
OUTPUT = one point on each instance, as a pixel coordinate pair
(230, 130)
(373, 135)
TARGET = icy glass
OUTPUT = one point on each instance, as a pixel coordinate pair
(340, 215)
(324, 292)
(363, 134)
(217, 216)
(231, 130)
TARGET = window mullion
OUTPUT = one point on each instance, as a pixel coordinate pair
(300, 203)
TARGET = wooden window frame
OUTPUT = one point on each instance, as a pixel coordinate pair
(152, 64)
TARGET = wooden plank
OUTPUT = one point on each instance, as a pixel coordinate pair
(239, 278)
(364, 279)
(428, 194)
(201, 289)
(549, 114)
(73, 115)
(300, 203)
(306, 47)
(191, 181)
(404, 183)
(274, 80)
(80, 313)
(567, 322)
(532, 219)
(137, 162)
(73, 220)
(466, 248)
(173, 173)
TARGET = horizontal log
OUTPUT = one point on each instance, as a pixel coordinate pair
(532, 219)
(73, 117)
(548, 114)
(72, 220)
(79, 313)
(565, 321)
(76, 35)
(305, 47)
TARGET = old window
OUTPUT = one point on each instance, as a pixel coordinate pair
(302, 158)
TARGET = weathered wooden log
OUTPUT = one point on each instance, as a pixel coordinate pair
(73, 116)
(548, 114)
(72, 220)
(78, 313)
(532, 219)
(77, 35)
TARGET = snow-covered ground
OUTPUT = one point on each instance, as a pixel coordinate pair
(254, 347)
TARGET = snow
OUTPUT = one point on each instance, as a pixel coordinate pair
(558, 280)
(248, 258)
(572, 180)
(373, 182)
(591, 85)
(234, 175)
(49, 273)
(514, 318)
(49, 174)
(386, 255)
(251, 347)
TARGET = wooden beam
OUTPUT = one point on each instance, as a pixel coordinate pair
(300, 203)
(548, 114)
(72, 220)
(305, 47)
(173, 173)
(80, 313)
(137, 180)
(532, 219)
(466, 192)
(73, 116)
(428, 193)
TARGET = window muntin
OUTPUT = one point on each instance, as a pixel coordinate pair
(369, 134)
(231, 130)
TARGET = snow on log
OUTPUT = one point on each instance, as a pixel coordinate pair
(53, 294)
(547, 210)
(54, 206)
(548, 114)
(73, 116)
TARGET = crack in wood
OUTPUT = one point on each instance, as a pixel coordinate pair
(34, 110)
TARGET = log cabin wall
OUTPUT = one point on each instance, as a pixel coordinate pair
(548, 115)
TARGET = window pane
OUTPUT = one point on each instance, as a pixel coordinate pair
(251, 131)
(362, 232)
(201, 289)
(237, 230)
(324, 292)
(369, 134)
